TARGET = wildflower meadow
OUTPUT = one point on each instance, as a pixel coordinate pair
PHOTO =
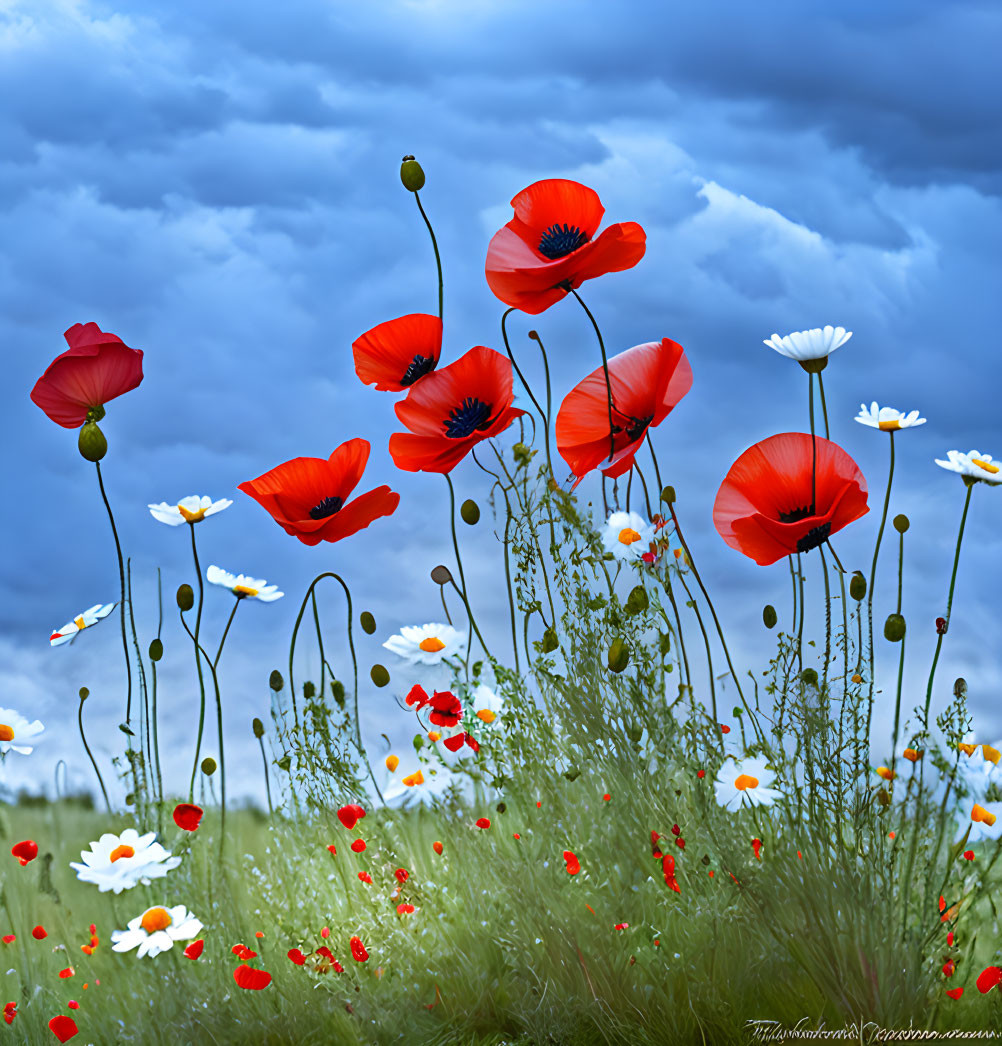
(607, 827)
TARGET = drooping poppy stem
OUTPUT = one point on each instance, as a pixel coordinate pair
(873, 576)
(226, 630)
(198, 664)
(90, 756)
(434, 244)
(267, 781)
(354, 664)
(320, 643)
(605, 370)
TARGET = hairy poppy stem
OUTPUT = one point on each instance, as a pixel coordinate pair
(647, 497)
(90, 756)
(605, 370)
(198, 664)
(434, 244)
(873, 576)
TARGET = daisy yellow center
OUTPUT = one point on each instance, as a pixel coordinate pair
(745, 781)
(120, 852)
(889, 426)
(486, 715)
(431, 645)
(392, 762)
(433, 735)
(628, 536)
(979, 813)
(155, 919)
(966, 748)
(6, 732)
(413, 779)
(986, 465)
(79, 621)
(991, 753)
(243, 590)
(191, 517)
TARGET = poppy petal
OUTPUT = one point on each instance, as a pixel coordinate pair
(250, 978)
(393, 355)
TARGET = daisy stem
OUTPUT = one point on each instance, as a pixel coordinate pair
(226, 630)
(90, 755)
(901, 662)
(814, 444)
(873, 577)
(267, 782)
(605, 370)
(198, 664)
(824, 406)
(845, 661)
(438, 258)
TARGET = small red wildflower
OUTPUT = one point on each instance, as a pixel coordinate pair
(63, 1027)
(405, 909)
(258, 933)
(187, 816)
(701, 774)
(949, 938)
(365, 877)
(675, 830)
(68, 972)
(73, 1004)
(25, 851)
(724, 728)
(10, 1012)
(325, 932)
(607, 797)
(195, 949)
(9, 938)
(456, 741)
(447, 709)
(515, 835)
(668, 868)
(969, 855)
(333, 850)
(358, 845)
(955, 993)
(250, 978)
(437, 847)
(573, 865)
(988, 978)
(39, 933)
(402, 875)
(483, 822)
(350, 815)
(680, 842)
(757, 847)
(622, 926)
(296, 956)
(538, 804)
(948, 968)
(358, 952)
(242, 952)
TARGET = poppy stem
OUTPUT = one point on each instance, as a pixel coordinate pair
(828, 621)
(521, 377)
(605, 370)
(226, 630)
(709, 656)
(654, 458)
(156, 738)
(647, 497)
(800, 621)
(90, 755)
(198, 664)
(814, 444)
(824, 406)
(320, 643)
(873, 576)
(459, 563)
(549, 398)
(144, 708)
(267, 782)
(901, 661)
(434, 244)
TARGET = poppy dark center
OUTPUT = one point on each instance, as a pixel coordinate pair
(326, 508)
(813, 538)
(796, 515)
(417, 368)
(634, 427)
(470, 416)
(560, 240)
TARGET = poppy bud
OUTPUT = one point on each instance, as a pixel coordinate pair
(901, 523)
(549, 642)
(634, 731)
(156, 650)
(418, 742)
(619, 655)
(309, 689)
(857, 586)
(894, 628)
(368, 623)
(258, 727)
(84, 693)
(470, 511)
(441, 575)
(769, 617)
(130, 799)
(637, 601)
(185, 597)
(275, 680)
(960, 688)
(91, 442)
(809, 676)
(668, 495)
(411, 174)
(208, 766)
(379, 675)
(941, 626)
(337, 689)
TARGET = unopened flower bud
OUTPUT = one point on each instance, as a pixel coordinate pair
(549, 642)
(857, 586)
(809, 676)
(84, 693)
(523, 455)
(470, 511)
(337, 690)
(91, 442)
(156, 650)
(368, 623)
(309, 689)
(619, 655)
(418, 742)
(769, 617)
(894, 628)
(185, 597)
(411, 174)
(379, 675)
(901, 523)
(668, 495)
(258, 727)
(441, 575)
(208, 766)
(275, 680)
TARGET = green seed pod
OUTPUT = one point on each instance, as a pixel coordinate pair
(418, 742)
(901, 523)
(470, 511)
(619, 655)
(84, 693)
(894, 628)
(91, 442)
(637, 601)
(379, 675)
(960, 688)
(309, 689)
(441, 575)
(809, 676)
(549, 642)
(275, 680)
(668, 495)
(411, 174)
(337, 690)
(368, 623)
(258, 727)
(156, 650)
(185, 597)
(769, 617)
(208, 766)
(130, 799)
(857, 586)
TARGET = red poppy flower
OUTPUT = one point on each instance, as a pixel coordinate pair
(39, 933)
(756, 845)
(548, 249)
(446, 708)
(242, 952)
(483, 822)
(647, 382)
(10, 1012)
(358, 845)
(776, 500)
(456, 741)
(358, 952)
(402, 875)
(195, 949)
(437, 847)
(9, 938)
(187, 816)
(308, 497)
(573, 865)
(350, 815)
(955, 993)
(394, 355)
(250, 978)
(63, 1027)
(668, 868)
(364, 877)
(25, 851)
(988, 978)
(452, 410)
(296, 956)
(405, 909)
(95, 368)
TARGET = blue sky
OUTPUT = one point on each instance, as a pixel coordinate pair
(218, 186)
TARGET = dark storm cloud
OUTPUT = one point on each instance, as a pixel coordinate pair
(217, 185)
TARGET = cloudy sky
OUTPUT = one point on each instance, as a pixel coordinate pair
(217, 184)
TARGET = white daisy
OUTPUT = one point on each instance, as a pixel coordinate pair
(427, 644)
(747, 781)
(69, 631)
(15, 730)
(973, 465)
(188, 510)
(627, 536)
(156, 930)
(119, 862)
(887, 419)
(486, 704)
(242, 586)
(816, 344)
(985, 820)
(421, 784)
